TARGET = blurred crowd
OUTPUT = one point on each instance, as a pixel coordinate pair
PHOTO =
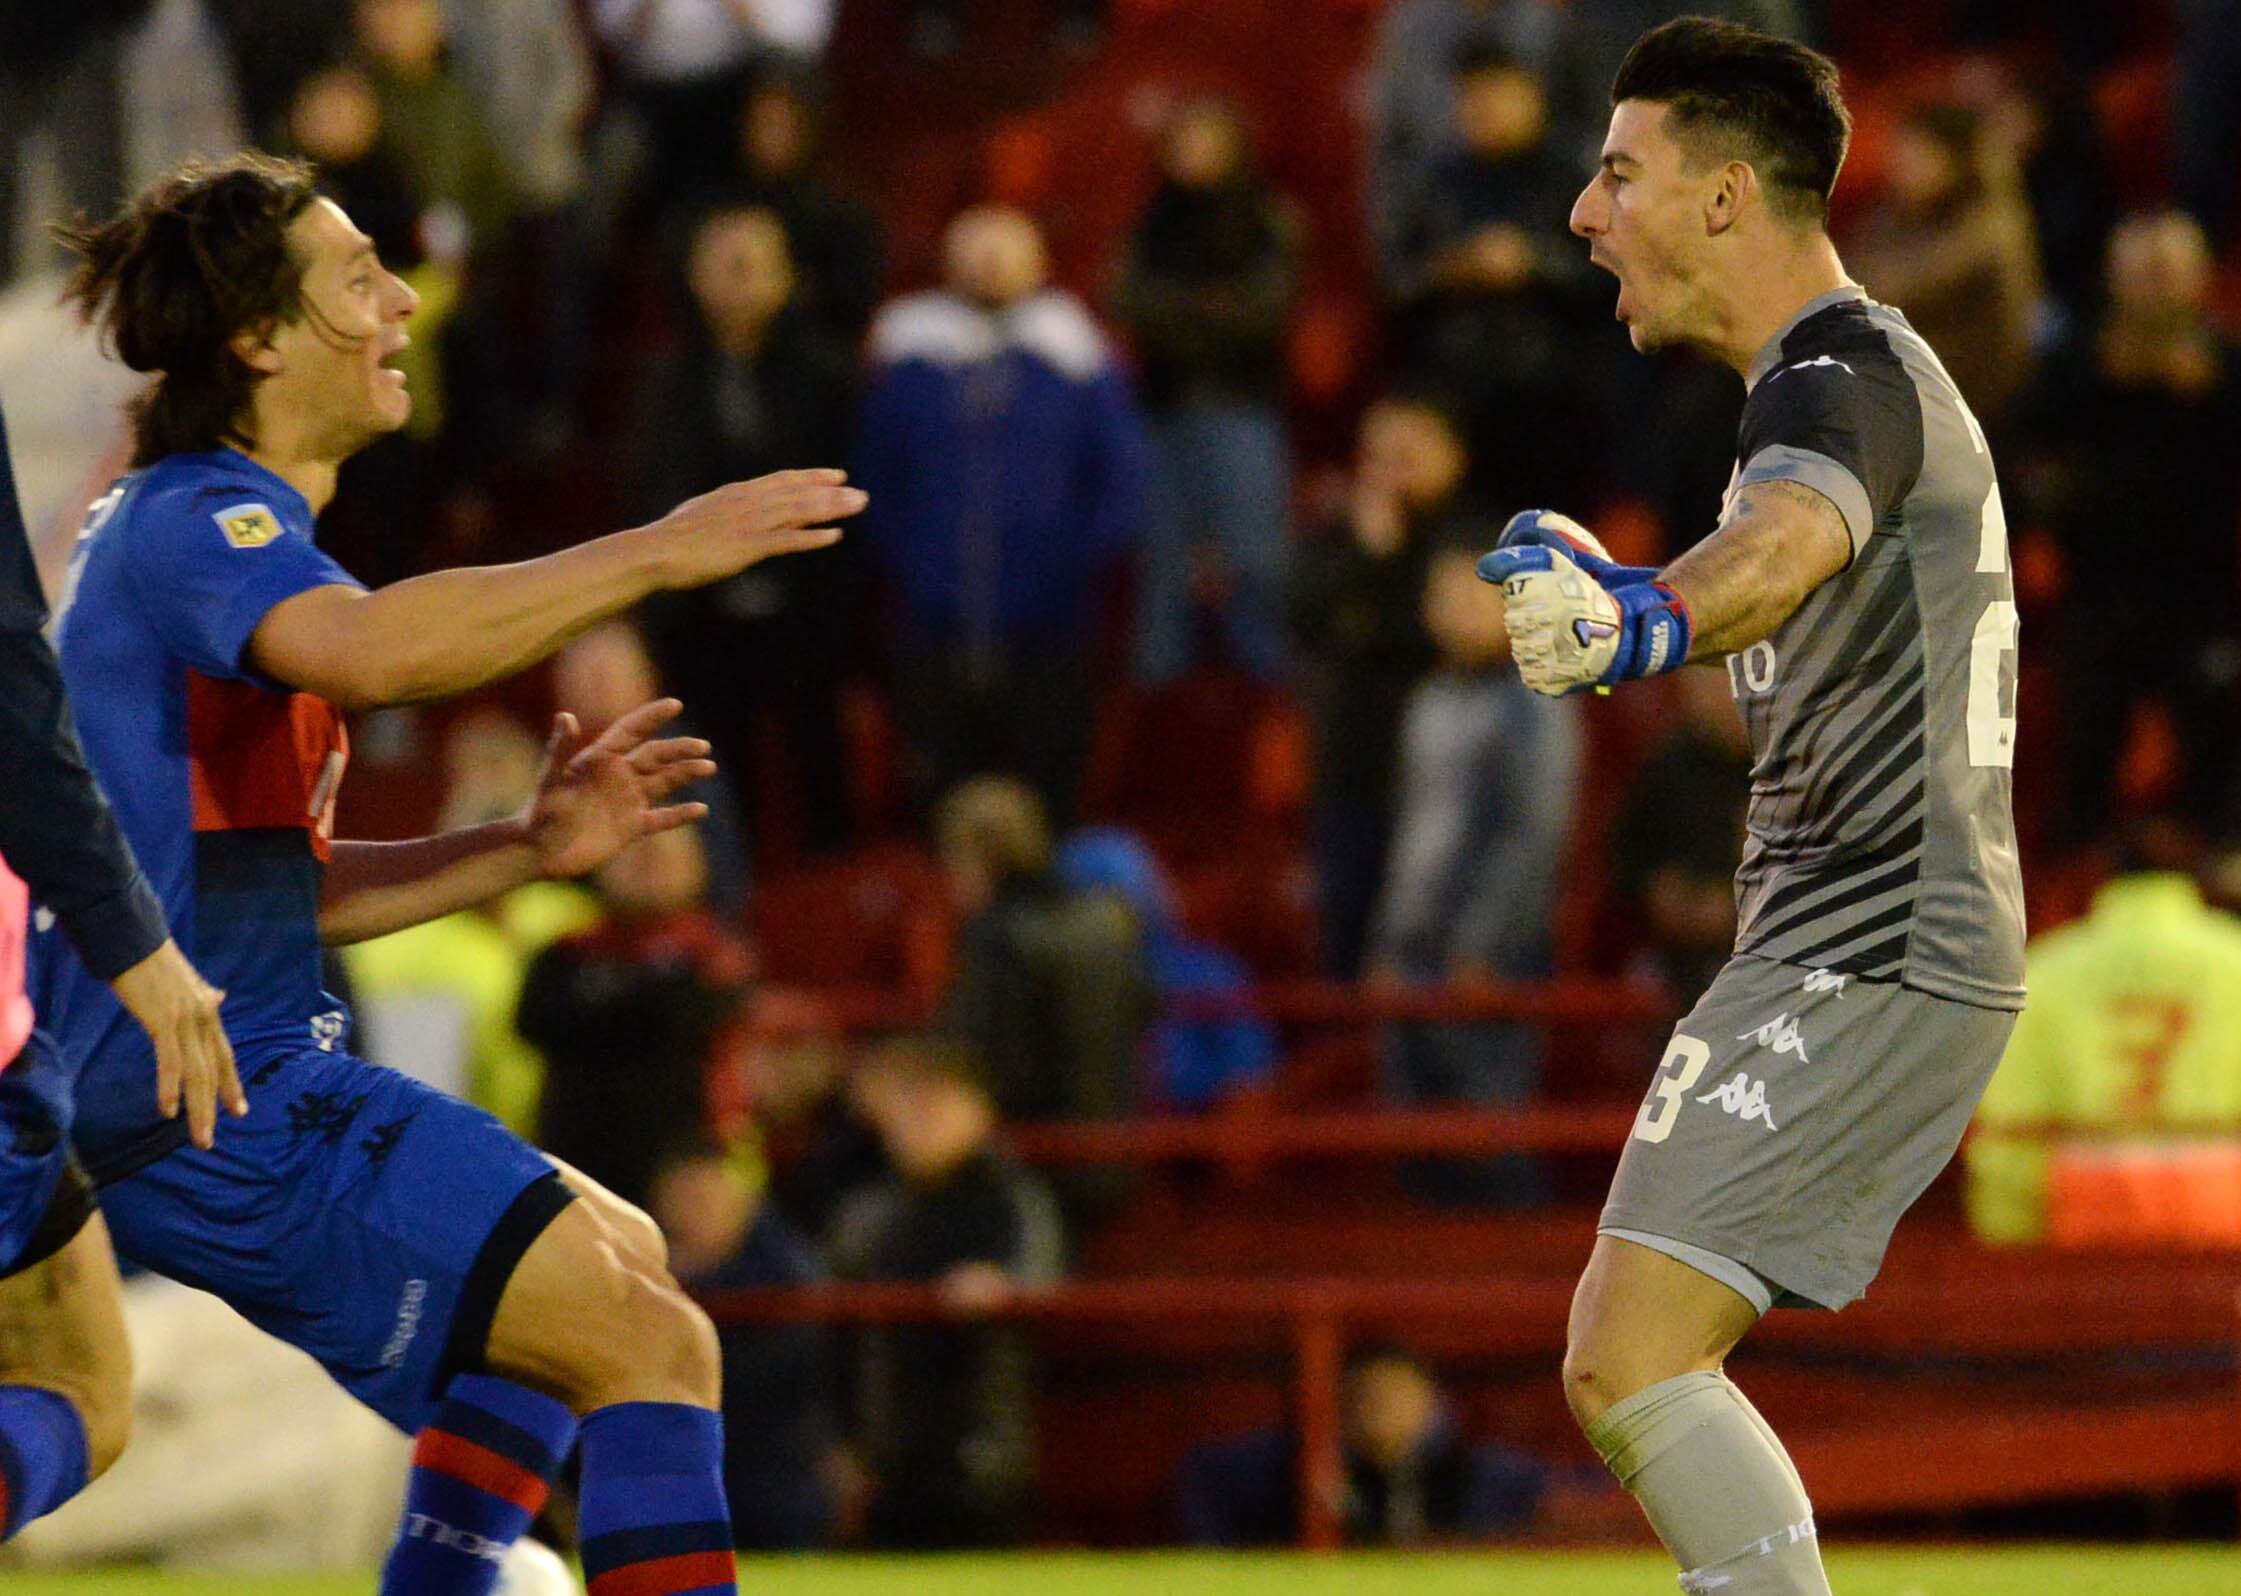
(650, 260)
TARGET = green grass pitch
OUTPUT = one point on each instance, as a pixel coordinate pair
(2035, 1571)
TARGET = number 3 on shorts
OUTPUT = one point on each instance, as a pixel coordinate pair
(1685, 1058)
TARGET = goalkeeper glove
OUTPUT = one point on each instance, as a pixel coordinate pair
(1568, 633)
(1549, 529)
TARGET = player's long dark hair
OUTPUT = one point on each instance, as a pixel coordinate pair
(190, 262)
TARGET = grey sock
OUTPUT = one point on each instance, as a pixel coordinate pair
(1717, 1486)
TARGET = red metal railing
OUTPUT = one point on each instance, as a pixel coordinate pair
(2017, 1314)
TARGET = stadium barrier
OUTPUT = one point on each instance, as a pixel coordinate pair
(1924, 1460)
(795, 1011)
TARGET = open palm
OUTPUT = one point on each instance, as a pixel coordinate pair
(594, 800)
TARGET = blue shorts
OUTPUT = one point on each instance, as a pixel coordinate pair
(45, 1199)
(355, 1213)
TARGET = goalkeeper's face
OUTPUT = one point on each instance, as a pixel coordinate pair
(1643, 215)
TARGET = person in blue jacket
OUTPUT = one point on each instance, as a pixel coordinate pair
(1006, 459)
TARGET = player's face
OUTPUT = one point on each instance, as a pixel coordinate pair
(333, 359)
(1643, 216)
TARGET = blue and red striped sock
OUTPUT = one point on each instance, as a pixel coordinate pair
(42, 1454)
(652, 1510)
(480, 1473)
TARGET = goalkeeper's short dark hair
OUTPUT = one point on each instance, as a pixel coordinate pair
(1735, 93)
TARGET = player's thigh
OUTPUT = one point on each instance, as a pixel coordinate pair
(588, 1315)
(62, 1329)
(1639, 1317)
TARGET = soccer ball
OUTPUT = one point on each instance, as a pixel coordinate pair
(532, 1568)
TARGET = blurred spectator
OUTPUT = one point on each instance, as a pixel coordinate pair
(1195, 1063)
(680, 71)
(334, 119)
(1594, 36)
(1412, 90)
(1491, 291)
(2134, 1026)
(1206, 290)
(639, 1017)
(2052, 127)
(437, 1001)
(528, 67)
(809, 1105)
(1491, 211)
(937, 27)
(2206, 113)
(608, 672)
(835, 240)
(275, 45)
(177, 82)
(1005, 458)
(1680, 836)
(756, 386)
(1412, 1480)
(942, 1418)
(2133, 468)
(433, 126)
(59, 77)
(1486, 774)
(780, 1430)
(1051, 993)
(1355, 606)
(1954, 247)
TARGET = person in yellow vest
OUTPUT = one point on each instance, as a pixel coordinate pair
(2133, 1038)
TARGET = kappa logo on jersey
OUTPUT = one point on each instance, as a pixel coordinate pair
(327, 1030)
(1744, 1098)
(248, 526)
(1779, 1035)
(1817, 360)
(1825, 981)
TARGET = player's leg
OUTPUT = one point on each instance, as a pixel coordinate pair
(65, 1372)
(1642, 1371)
(592, 1315)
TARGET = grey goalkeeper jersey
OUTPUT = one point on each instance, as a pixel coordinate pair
(1881, 840)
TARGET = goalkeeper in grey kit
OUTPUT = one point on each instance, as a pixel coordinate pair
(1857, 592)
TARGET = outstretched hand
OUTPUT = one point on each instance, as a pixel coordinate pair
(595, 799)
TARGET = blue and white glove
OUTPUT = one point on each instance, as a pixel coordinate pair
(1550, 529)
(1569, 634)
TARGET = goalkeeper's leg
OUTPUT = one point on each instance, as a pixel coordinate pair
(1642, 1373)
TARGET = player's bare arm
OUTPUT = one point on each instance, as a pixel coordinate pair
(449, 632)
(1778, 542)
(592, 801)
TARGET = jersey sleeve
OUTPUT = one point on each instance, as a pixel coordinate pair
(1849, 428)
(212, 562)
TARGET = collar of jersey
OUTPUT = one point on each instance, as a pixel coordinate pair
(1771, 351)
(293, 501)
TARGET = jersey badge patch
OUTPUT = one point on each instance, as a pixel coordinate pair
(248, 526)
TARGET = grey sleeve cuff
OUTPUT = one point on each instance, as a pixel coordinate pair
(1779, 462)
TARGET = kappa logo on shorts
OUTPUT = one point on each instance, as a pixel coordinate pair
(409, 1306)
(327, 1029)
(1778, 1035)
(248, 526)
(1825, 981)
(1744, 1098)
